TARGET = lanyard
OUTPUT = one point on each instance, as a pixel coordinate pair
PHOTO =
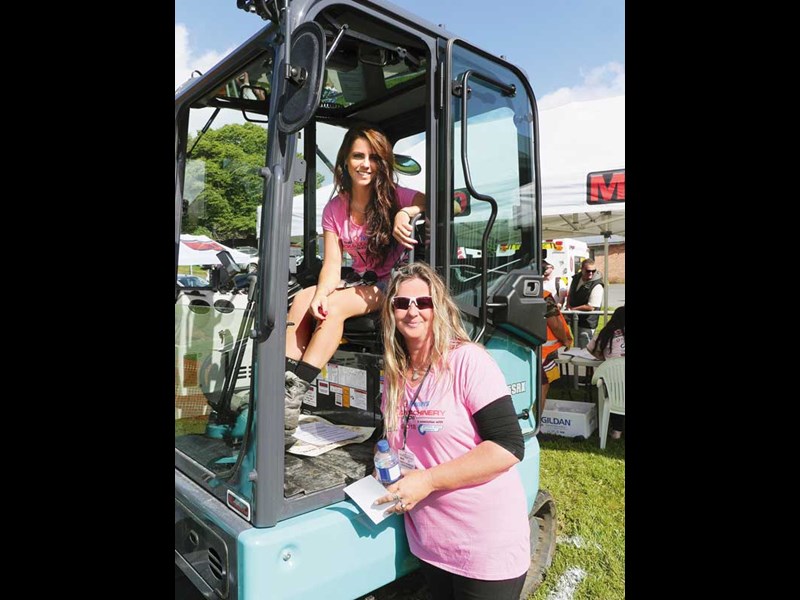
(407, 409)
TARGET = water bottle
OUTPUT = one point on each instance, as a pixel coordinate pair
(386, 463)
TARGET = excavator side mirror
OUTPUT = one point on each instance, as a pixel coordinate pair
(301, 87)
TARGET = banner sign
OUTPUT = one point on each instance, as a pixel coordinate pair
(605, 187)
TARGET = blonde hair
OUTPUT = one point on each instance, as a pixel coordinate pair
(448, 333)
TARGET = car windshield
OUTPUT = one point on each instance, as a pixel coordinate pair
(192, 281)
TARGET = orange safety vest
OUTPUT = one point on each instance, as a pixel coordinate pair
(553, 344)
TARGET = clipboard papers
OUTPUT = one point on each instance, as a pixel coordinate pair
(321, 430)
(322, 434)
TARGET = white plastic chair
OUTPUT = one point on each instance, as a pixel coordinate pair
(609, 378)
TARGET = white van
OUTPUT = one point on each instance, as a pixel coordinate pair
(566, 255)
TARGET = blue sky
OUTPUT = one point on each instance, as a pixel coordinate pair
(570, 49)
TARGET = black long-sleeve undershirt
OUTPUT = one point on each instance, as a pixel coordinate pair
(498, 422)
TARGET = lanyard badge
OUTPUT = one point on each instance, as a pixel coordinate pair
(407, 459)
(406, 456)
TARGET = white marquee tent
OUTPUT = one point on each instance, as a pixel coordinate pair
(202, 250)
(577, 139)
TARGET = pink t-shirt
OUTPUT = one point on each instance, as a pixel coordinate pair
(617, 349)
(354, 237)
(478, 531)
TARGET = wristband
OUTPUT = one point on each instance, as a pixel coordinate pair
(403, 210)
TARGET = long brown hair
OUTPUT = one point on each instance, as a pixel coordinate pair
(448, 333)
(606, 335)
(382, 206)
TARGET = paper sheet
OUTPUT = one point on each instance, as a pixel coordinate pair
(579, 353)
(322, 434)
(364, 492)
(301, 448)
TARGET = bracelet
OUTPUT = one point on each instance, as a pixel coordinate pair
(403, 210)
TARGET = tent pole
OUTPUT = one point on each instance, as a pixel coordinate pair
(606, 235)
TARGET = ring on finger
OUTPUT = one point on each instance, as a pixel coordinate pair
(396, 497)
(402, 506)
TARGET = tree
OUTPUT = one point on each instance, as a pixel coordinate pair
(225, 187)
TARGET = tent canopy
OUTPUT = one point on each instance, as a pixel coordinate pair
(202, 250)
(576, 140)
(582, 151)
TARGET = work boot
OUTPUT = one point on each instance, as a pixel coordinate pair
(296, 388)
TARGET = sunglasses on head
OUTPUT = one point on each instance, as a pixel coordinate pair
(404, 302)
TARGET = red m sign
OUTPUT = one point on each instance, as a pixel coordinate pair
(604, 187)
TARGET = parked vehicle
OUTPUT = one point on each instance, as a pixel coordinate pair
(192, 281)
(249, 250)
(253, 521)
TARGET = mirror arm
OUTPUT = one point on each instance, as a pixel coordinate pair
(290, 72)
(296, 74)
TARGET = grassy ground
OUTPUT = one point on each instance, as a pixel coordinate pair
(588, 485)
(195, 270)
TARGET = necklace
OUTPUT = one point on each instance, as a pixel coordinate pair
(416, 373)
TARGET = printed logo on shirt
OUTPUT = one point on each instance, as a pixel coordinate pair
(350, 244)
(423, 429)
(424, 419)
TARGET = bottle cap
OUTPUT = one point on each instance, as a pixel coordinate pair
(383, 446)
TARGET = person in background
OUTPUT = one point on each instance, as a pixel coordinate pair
(448, 412)
(586, 293)
(247, 91)
(558, 335)
(361, 219)
(550, 282)
(609, 342)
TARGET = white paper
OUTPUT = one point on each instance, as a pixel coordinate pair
(364, 492)
(579, 353)
(303, 449)
(321, 434)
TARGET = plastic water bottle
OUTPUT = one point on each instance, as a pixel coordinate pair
(387, 463)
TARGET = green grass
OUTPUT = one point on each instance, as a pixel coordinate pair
(195, 270)
(588, 485)
(190, 425)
